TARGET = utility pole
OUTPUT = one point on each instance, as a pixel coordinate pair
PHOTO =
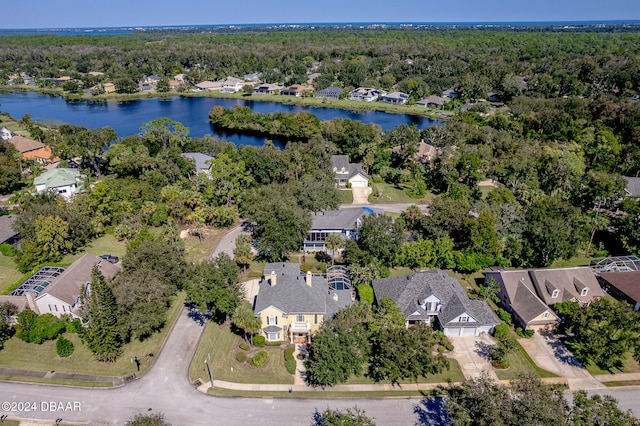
(208, 362)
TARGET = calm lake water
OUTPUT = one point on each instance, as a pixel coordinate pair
(127, 117)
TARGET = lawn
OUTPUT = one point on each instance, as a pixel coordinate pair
(521, 364)
(198, 250)
(21, 355)
(388, 193)
(8, 273)
(106, 244)
(453, 375)
(628, 366)
(222, 344)
(346, 196)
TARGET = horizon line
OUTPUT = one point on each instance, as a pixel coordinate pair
(344, 23)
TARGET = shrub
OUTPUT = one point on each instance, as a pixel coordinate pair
(291, 366)
(241, 357)
(288, 354)
(244, 346)
(501, 331)
(64, 347)
(259, 341)
(74, 326)
(440, 349)
(7, 250)
(505, 316)
(365, 293)
(259, 359)
(34, 328)
(529, 333)
(273, 343)
(449, 346)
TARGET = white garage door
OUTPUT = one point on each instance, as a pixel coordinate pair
(452, 331)
(358, 183)
(471, 331)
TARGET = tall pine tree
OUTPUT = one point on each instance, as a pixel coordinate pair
(101, 331)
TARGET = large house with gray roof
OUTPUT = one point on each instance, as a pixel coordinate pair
(292, 305)
(430, 295)
(65, 182)
(344, 222)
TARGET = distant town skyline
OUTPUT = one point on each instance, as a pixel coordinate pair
(134, 13)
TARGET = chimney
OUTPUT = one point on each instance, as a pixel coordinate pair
(309, 278)
(272, 279)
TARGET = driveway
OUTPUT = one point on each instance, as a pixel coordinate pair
(361, 195)
(470, 352)
(549, 353)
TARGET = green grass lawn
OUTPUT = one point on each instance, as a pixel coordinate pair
(521, 364)
(629, 365)
(222, 344)
(106, 244)
(346, 196)
(8, 273)
(22, 355)
(453, 374)
(388, 193)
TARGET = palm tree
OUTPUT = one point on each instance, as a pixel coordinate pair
(333, 243)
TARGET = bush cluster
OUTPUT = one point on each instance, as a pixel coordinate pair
(241, 357)
(288, 354)
(7, 250)
(259, 359)
(64, 347)
(244, 346)
(290, 365)
(34, 328)
(259, 341)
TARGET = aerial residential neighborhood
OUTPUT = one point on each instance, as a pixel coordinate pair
(330, 224)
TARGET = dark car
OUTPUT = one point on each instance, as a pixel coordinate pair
(109, 258)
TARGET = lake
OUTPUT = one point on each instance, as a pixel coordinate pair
(127, 117)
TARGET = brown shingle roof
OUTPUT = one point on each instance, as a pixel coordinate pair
(625, 282)
(68, 285)
(24, 144)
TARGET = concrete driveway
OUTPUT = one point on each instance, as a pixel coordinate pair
(470, 352)
(551, 354)
(361, 195)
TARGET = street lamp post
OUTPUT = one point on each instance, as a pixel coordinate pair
(208, 362)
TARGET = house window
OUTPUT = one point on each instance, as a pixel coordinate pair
(53, 308)
(273, 337)
(545, 315)
(272, 320)
(464, 319)
(299, 318)
(315, 319)
(555, 293)
(584, 291)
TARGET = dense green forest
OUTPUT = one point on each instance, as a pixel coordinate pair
(417, 61)
(555, 151)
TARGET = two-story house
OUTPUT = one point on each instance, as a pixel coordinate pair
(62, 295)
(292, 305)
(348, 173)
(432, 295)
(365, 94)
(65, 182)
(344, 222)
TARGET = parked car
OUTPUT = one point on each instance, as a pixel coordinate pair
(109, 258)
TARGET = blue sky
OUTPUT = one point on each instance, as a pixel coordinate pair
(112, 13)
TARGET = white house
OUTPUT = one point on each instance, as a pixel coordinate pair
(232, 85)
(62, 295)
(65, 182)
(348, 173)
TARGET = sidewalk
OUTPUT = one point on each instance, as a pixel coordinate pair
(337, 388)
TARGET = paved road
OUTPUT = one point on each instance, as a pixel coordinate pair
(391, 208)
(228, 243)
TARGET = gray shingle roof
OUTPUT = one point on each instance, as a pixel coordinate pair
(6, 227)
(340, 219)
(341, 162)
(521, 293)
(200, 159)
(569, 282)
(292, 295)
(411, 290)
(633, 186)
